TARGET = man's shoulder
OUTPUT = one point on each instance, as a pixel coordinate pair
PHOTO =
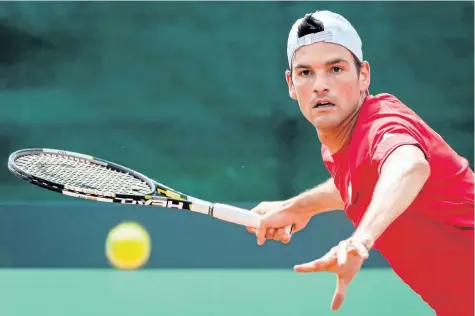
(384, 104)
(385, 108)
(382, 116)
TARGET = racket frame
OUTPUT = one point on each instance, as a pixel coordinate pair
(160, 195)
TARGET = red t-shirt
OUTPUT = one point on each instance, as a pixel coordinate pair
(431, 245)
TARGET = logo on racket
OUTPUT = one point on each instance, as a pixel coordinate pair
(155, 202)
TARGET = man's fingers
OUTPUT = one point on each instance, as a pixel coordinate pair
(361, 250)
(342, 253)
(340, 293)
(270, 233)
(321, 264)
(285, 237)
(307, 267)
(282, 236)
(261, 231)
(344, 248)
(279, 234)
(337, 301)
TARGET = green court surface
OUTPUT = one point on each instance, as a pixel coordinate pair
(106, 292)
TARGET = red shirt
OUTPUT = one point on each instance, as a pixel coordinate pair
(431, 245)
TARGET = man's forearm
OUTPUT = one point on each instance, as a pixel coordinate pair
(400, 182)
(324, 197)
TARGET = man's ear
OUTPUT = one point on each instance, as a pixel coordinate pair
(365, 76)
(288, 78)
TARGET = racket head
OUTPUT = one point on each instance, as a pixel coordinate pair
(65, 171)
(87, 177)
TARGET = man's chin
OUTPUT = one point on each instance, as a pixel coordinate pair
(323, 124)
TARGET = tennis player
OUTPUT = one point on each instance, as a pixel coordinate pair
(407, 192)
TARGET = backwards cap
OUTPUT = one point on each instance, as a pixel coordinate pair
(337, 30)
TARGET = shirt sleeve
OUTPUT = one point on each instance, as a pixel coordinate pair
(388, 134)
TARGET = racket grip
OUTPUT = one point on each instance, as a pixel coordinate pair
(240, 216)
(235, 215)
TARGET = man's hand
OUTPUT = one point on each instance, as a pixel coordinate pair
(345, 260)
(275, 217)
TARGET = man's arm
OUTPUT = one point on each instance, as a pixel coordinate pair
(296, 211)
(323, 198)
(402, 176)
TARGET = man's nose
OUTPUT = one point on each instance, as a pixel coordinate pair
(320, 84)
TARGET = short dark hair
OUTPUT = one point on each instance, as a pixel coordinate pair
(311, 25)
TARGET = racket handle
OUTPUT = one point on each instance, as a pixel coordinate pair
(240, 216)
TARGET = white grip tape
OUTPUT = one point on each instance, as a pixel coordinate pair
(239, 216)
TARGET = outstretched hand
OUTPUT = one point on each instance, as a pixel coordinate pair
(345, 260)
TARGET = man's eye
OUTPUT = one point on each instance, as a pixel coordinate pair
(305, 72)
(336, 69)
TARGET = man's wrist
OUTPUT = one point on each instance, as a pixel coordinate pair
(364, 238)
(292, 206)
(298, 206)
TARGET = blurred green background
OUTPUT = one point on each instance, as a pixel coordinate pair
(193, 94)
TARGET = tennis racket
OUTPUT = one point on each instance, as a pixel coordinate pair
(91, 178)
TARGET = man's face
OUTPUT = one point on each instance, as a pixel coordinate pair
(326, 84)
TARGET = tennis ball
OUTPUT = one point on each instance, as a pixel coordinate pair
(128, 246)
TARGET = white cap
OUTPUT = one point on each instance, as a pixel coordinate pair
(337, 30)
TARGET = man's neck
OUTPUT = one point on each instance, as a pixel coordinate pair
(335, 139)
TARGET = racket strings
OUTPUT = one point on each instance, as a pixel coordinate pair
(82, 173)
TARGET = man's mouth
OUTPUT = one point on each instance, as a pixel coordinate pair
(323, 104)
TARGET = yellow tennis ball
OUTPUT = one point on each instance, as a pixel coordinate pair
(128, 246)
